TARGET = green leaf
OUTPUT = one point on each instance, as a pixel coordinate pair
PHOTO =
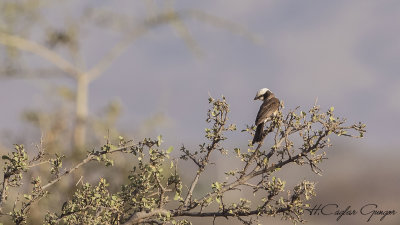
(237, 150)
(27, 197)
(177, 196)
(217, 185)
(5, 157)
(159, 140)
(170, 149)
(265, 161)
(331, 109)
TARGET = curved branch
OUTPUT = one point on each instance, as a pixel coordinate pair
(6, 177)
(83, 162)
(227, 213)
(142, 216)
(120, 47)
(40, 50)
(163, 18)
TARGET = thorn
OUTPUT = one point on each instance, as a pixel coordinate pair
(80, 179)
(316, 100)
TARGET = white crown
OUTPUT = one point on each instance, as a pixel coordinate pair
(262, 91)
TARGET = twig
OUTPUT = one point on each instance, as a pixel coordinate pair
(205, 160)
(6, 177)
(142, 216)
(88, 159)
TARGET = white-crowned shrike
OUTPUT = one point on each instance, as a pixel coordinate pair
(269, 108)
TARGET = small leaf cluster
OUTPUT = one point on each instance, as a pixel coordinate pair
(90, 205)
(14, 165)
(56, 164)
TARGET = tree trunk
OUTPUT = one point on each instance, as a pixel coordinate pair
(81, 112)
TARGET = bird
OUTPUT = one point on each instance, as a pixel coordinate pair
(268, 108)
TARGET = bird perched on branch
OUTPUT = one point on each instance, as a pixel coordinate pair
(268, 109)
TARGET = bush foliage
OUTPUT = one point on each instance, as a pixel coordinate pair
(155, 192)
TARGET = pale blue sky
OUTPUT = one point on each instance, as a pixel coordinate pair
(346, 53)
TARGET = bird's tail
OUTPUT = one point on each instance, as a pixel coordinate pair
(258, 134)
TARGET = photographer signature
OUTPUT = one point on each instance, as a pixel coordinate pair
(370, 211)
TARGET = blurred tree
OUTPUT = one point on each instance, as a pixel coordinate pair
(61, 46)
(33, 46)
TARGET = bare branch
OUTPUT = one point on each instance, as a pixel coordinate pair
(89, 158)
(3, 196)
(139, 217)
(175, 18)
(40, 50)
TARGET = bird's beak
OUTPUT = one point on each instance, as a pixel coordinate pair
(255, 98)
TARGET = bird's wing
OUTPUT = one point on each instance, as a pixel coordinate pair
(267, 109)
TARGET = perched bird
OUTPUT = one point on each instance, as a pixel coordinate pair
(269, 108)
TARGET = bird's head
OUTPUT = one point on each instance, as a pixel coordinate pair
(262, 94)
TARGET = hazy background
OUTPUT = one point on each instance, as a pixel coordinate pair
(345, 53)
